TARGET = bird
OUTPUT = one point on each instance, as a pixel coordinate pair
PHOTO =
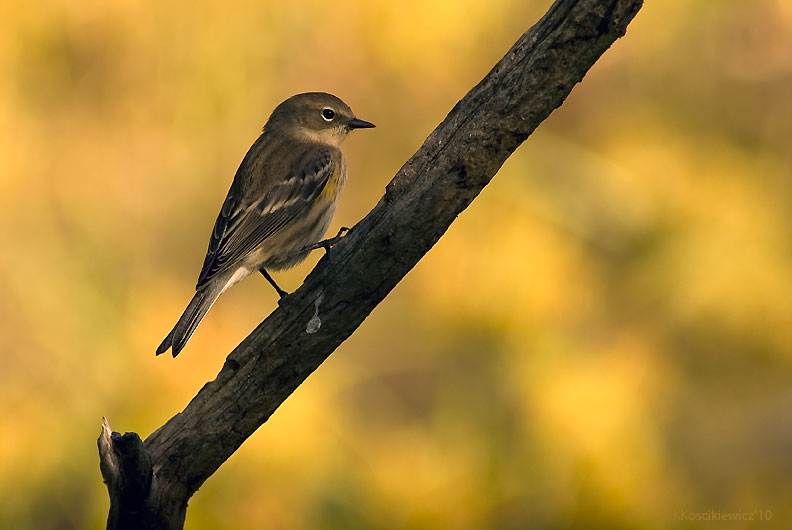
(281, 201)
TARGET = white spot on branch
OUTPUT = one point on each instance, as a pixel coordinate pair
(315, 323)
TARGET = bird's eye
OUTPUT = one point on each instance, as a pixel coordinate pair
(328, 114)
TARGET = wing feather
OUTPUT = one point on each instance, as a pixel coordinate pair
(239, 230)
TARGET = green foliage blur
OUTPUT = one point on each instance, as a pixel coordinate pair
(603, 340)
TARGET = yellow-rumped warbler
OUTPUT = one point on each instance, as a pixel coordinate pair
(282, 200)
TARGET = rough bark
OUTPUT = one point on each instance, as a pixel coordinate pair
(150, 482)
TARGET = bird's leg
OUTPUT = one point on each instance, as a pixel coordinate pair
(281, 293)
(328, 243)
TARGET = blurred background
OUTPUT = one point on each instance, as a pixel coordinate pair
(602, 340)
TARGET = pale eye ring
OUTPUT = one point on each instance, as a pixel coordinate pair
(328, 114)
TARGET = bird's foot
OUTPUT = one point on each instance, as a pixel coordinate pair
(281, 293)
(282, 296)
(327, 244)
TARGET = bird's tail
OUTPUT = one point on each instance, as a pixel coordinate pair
(192, 316)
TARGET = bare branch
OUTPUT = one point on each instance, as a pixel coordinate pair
(449, 170)
(127, 472)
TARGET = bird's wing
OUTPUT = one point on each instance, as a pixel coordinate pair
(240, 229)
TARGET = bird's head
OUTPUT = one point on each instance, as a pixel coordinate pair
(316, 116)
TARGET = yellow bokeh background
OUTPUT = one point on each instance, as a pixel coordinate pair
(602, 340)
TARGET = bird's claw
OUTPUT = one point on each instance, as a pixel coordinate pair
(283, 295)
(327, 244)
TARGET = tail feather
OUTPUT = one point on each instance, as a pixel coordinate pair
(192, 316)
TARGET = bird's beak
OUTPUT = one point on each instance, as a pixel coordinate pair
(355, 123)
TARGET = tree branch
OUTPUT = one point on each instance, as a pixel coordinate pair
(449, 170)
